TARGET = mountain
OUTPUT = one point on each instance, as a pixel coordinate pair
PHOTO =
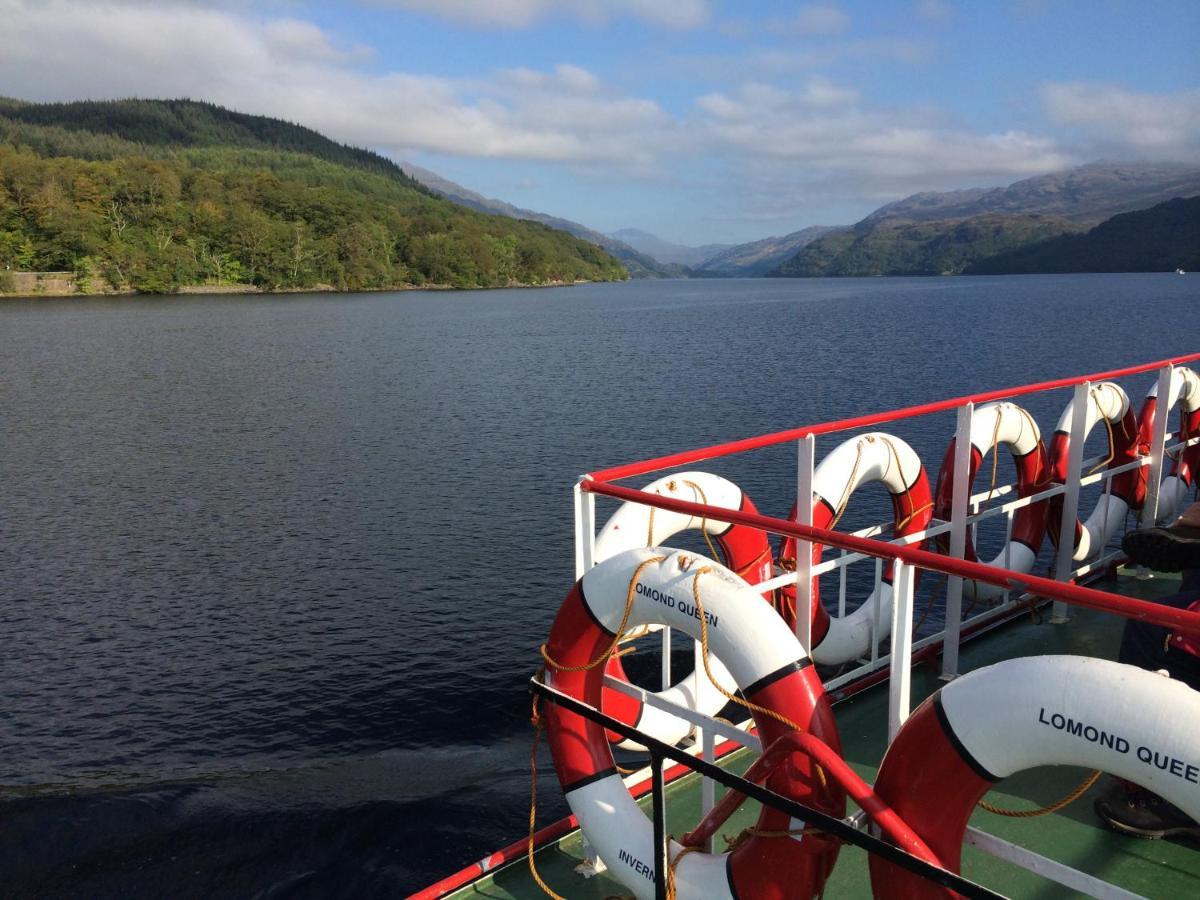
(155, 195)
(918, 248)
(1089, 193)
(664, 251)
(759, 257)
(640, 265)
(1159, 239)
(947, 233)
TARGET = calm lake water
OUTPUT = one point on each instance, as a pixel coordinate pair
(274, 569)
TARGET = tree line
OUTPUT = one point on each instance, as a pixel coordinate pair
(152, 217)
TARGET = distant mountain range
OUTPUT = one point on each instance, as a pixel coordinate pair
(760, 257)
(664, 251)
(1089, 194)
(959, 231)
(640, 265)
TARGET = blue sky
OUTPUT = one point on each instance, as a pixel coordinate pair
(698, 120)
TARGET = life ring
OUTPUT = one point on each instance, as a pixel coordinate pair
(1027, 712)
(871, 457)
(747, 552)
(1107, 402)
(994, 424)
(1185, 391)
(767, 663)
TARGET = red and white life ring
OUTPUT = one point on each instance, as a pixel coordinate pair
(1022, 713)
(992, 425)
(1184, 391)
(1107, 402)
(766, 662)
(875, 457)
(747, 552)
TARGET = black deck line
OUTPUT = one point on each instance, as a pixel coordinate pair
(825, 822)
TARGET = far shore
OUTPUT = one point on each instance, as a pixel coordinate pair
(56, 293)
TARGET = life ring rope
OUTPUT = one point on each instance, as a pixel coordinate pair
(603, 657)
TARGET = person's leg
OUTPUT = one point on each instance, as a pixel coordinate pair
(1170, 549)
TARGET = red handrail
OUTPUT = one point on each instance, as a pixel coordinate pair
(1141, 610)
(616, 473)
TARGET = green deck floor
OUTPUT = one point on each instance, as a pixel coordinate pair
(1163, 868)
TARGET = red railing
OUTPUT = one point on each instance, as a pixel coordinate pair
(616, 473)
(1130, 608)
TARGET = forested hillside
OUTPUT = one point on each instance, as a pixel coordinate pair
(919, 248)
(153, 195)
(1159, 239)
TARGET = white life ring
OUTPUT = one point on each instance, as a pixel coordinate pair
(1107, 402)
(747, 552)
(768, 665)
(1022, 713)
(874, 457)
(1184, 391)
(996, 424)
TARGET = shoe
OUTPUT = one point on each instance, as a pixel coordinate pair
(1134, 810)
(1171, 549)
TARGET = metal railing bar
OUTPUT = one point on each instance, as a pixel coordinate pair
(716, 726)
(1128, 607)
(827, 823)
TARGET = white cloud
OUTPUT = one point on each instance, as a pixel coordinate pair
(822, 18)
(513, 14)
(1158, 124)
(294, 70)
(823, 128)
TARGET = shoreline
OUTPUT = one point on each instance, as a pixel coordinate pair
(252, 290)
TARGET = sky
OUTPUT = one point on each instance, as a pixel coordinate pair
(697, 120)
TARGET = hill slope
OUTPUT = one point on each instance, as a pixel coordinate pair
(1090, 193)
(1158, 239)
(945, 233)
(639, 264)
(759, 257)
(170, 193)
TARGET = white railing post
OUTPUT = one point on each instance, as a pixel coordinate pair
(585, 529)
(806, 451)
(958, 537)
(1070, 500)
(1158, 442)
(900, 682)
(666, 657)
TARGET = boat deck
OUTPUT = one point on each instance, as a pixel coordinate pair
(1074, 836)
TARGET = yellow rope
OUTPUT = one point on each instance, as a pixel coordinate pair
(537, 736)
(729, 695)
(703, 521)
(620, 628)
(684, 851)
(537, 723)
(1045, 810)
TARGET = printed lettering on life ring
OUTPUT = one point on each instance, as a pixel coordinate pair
(769, 666)
(747, 552)
(1027, 712)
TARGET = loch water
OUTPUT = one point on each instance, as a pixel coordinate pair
(274, 569)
